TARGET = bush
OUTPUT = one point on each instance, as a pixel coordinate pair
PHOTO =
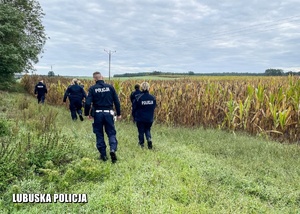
(33, 152)
(49, 147)
(11, 87)
(85, 170)
(11, 163)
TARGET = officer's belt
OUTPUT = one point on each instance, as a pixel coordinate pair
(97, 111)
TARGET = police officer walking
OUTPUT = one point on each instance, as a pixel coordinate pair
(143, 109)
(132, 98)
(40, 90)
(103, 96)
(134, 93)
(76, 94)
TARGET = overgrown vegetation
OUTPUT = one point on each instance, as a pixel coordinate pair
(30, 139)
(11, 86)
(189, 170)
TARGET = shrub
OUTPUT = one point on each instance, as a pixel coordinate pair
(86, 170)
(51, 146)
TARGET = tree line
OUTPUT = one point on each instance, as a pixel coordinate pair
(268, 72)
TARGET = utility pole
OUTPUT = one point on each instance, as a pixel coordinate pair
(109, 59)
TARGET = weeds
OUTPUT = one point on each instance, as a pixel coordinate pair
(29, 140)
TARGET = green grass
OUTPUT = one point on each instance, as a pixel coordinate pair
(188, 171)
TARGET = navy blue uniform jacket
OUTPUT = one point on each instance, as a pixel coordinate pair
(74, 92)
(133, 95)
(40, 89)
(103, 96)
(143, 107)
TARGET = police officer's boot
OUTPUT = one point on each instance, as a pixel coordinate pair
(113, 156)
(150, 144)
(81, 118)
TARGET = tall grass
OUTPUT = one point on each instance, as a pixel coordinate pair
(29, 138)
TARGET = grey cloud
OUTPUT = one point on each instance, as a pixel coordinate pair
(174, 35)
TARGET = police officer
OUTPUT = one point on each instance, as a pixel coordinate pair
(40, 90)
(76, 94)
(103, 96)
(134, 93)
(132, 98)
(143, 109)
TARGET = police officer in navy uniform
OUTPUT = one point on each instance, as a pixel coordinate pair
(103, 96)
(40, 90)
(76, 94)
(132, 98)
(134, 93)
(143, 109)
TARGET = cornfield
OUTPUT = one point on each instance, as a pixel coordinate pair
(268, 106)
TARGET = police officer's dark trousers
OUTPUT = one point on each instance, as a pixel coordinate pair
(144, 129)
(104, 119)
(41, 98)
(75, 106)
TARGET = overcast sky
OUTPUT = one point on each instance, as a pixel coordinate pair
(170, 36)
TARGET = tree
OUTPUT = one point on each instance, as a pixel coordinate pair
(156, 73)
(274, 72)
(22, 36)
(51, 74)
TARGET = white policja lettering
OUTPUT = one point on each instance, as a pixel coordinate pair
(100, 90)
(147, 102)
